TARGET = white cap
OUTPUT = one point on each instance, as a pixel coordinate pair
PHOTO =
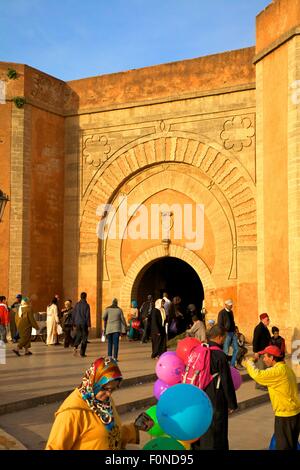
(228, 302)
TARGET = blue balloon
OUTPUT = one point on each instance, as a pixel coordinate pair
(184, 412)
(273, 444)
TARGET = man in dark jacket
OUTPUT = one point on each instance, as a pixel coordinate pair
(261, 339)
(226, 321)
(82, 321)
(221, 394)
(145, 312)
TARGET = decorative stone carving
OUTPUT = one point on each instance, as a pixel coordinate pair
(237, 133)
(52, 92)
(47, 90)
(163, 126)
(96, 150)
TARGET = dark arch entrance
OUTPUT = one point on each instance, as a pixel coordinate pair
(171, 275)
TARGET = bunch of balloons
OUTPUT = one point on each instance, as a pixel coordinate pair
(183, 412)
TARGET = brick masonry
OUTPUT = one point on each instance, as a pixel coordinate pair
(220, 130)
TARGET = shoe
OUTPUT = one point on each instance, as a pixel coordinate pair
(261, 387)
(28, 353)
(75, 352)
(16, 352)
(83, 355)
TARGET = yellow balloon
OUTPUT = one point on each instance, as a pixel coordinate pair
(186, 444)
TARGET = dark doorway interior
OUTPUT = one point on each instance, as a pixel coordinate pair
(170, 275)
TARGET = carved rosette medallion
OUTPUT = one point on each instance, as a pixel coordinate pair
(237, 133)
(96, 150)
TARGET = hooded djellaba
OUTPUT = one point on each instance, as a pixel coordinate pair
(157, 329)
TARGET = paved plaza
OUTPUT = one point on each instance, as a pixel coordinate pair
(33, 387)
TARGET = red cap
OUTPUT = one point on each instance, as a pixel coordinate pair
(272, 350)
(263, 315)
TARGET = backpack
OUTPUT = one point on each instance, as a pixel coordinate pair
(197, 370)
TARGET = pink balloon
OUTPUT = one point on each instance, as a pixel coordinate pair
(159, 388)
(236, 378)
(169, 368)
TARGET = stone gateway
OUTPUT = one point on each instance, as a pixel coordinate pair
(220, 132)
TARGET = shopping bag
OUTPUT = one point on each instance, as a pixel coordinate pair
(59, 330)
(103, 338)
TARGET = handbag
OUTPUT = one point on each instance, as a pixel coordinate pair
(136, 324)
(59, 330)
(173, 327)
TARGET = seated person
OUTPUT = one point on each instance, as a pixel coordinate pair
(242, 351)
(198, 329)
(277, 340)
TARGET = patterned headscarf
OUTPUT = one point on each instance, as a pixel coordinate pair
(101, 372)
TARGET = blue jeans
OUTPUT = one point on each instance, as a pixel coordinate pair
(231, 338)
(3, 333)
(113, 343)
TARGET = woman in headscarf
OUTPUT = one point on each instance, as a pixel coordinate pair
(25, 322)
(134, 322)
(157, 329)
(52, 322)
(87, 419)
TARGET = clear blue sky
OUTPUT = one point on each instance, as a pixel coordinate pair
(73, 39)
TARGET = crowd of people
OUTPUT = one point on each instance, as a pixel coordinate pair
(157, 321)
(18, 321)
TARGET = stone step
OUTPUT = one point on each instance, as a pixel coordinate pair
(141, 396)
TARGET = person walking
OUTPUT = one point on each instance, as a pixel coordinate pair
(114, 325)
(25, 322)
(67, 323)
(145, 311)
(226, 321)
(134, 322)
(261, 339)
(88, 418)
(13, 312)
(283, 390)
(4, 319)
(52, 323)
(82, 322)
(157, 329)
(221, 394)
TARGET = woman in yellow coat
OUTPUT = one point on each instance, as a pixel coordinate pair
(87, 419)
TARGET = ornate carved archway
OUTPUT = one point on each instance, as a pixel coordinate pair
(221, 168)
(157, 252)
(222, 173)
